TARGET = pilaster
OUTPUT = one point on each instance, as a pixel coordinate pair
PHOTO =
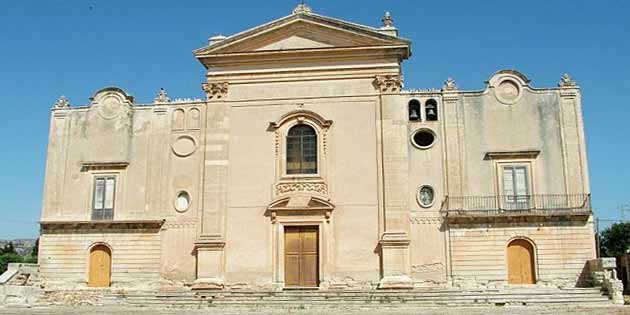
(394, 242)
(210, 265)
(572, 134)
(453, 138)
(211, 231)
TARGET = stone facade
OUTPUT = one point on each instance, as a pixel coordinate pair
(409, 188)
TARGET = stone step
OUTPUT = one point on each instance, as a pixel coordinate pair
(347, 293)
(355, 303)
(459, 300)
(322, 298)
(474, 299)
(362, 296)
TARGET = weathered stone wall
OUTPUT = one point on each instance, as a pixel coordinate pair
(561, 250)
(64, 258)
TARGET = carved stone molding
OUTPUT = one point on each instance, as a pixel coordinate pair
(389, 83)
(284, 188)
(300, 204)
(215, 90)
(566, 81)
(450, 85)
(179, 225)
(421, 220)
(301, 115)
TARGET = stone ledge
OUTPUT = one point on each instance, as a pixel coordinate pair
(88, 225)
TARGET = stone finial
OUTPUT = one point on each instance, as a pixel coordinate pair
(388, 27)
(302, 9)
(62, 102)
(450, 85)
(566, 81)
(387, 20)
(162, 97)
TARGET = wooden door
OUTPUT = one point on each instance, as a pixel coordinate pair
(301, 257)
(100, 266)
(520, 256)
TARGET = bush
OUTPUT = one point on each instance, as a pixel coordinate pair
(6, 259)
(615, 240)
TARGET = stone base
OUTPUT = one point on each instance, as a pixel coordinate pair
(208, 284)
(396, 282)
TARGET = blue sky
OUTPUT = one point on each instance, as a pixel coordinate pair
(74, 48)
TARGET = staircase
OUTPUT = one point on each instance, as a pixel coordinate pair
(372, 298)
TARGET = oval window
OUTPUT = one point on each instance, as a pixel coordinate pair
(426, 196)
(423, 138)
(182, 202)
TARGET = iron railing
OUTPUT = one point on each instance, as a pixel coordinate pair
(518, 204)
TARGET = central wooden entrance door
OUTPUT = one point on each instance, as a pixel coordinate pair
(520, 256)
(100, 266)
(301, 256)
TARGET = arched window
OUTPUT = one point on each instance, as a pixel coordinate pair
(431, 110)
(414, 110)
(301, 150)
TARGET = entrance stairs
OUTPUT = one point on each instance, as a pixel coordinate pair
(385, 298)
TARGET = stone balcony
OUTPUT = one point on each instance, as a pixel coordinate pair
(512, 208)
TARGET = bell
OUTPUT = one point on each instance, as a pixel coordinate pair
(414, 115)
(431, 113)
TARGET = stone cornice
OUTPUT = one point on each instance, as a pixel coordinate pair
(104, 165)
(302, 55)
(523, 154)
(214, 244)
(90, 225)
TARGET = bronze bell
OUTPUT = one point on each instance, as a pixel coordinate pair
(414, 115)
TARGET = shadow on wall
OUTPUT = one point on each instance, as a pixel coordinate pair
(585, 280)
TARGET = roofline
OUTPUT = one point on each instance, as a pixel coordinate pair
(301, 15)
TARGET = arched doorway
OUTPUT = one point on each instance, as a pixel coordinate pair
(521, 267)
(100, 268)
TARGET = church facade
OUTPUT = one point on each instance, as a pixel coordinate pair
(308, 165)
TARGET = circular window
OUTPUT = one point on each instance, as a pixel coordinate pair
(425, 196)
(423, 138)
(182, 201)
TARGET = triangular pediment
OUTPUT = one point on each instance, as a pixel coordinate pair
(300, 32)
(295, 42)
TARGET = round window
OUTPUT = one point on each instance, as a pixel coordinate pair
(423, 138)
(182, 202)
(426, 196)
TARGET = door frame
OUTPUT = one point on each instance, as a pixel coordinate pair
(323, 255)
(534, 259)
(88, 262)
